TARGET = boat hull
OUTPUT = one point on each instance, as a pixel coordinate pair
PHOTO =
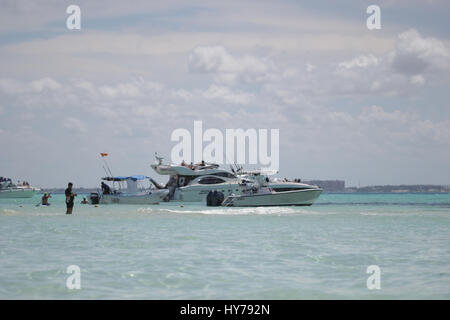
(287, 198)
(17, 193)
(153, 198)
(198, 193)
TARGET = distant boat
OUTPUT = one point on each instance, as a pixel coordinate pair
(126, 191)
(10, 190)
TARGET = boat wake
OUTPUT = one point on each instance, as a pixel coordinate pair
(276, 211)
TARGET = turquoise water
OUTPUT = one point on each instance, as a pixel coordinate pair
(193, 252)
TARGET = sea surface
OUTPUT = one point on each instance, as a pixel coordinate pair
(190, 251)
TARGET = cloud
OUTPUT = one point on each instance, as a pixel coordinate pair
(45, 84)
(415, 54)
(417, 79)
(378, 114)
(75, 125)
(227, 68)
(11, 86)
(225, 94)
(130, 89)
(414, 60)
(405, 129)
(362, 61)
(310, 67)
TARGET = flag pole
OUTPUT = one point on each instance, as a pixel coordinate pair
(106, 164)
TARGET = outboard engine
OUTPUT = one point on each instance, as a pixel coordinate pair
(214, 199)
(94, 198)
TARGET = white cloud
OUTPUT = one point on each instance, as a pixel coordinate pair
(226, 67)
(414, 60)
(131, 89)
(122, 89)
(362, 61)
(11, 86)
(310, 67)
(75, 125)
(415, 54)
(45, 83)
(227, 95)
(85, 85)
(182, 94)
(378, 114)
(417, 79)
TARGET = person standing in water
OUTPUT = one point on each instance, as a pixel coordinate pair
(45, 199)
(70, 196)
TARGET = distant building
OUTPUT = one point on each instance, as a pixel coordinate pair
(329, 185)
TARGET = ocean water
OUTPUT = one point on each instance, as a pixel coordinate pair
(168, 251)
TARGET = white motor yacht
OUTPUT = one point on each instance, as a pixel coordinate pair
(10, 190)
(192, 183)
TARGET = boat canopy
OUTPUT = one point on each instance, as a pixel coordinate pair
(124, 178)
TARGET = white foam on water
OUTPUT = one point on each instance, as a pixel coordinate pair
(230, 211)
(9, 211)
(391, 213)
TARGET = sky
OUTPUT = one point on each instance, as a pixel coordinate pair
(366, 106)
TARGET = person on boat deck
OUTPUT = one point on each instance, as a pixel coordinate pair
(105, 188)
(183, 163)
(45, 199)
(70, 196)
(84, 201)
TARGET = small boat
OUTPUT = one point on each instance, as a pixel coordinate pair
(261, 195)
(10, 190)
(127, 191)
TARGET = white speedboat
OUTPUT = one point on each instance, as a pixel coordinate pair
(10, 190)
(268, 197)
(128, 190)
(192, 183)
(277, 184)
(261, 195)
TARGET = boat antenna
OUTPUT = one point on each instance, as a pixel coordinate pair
(160, 159)
(236, 169)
